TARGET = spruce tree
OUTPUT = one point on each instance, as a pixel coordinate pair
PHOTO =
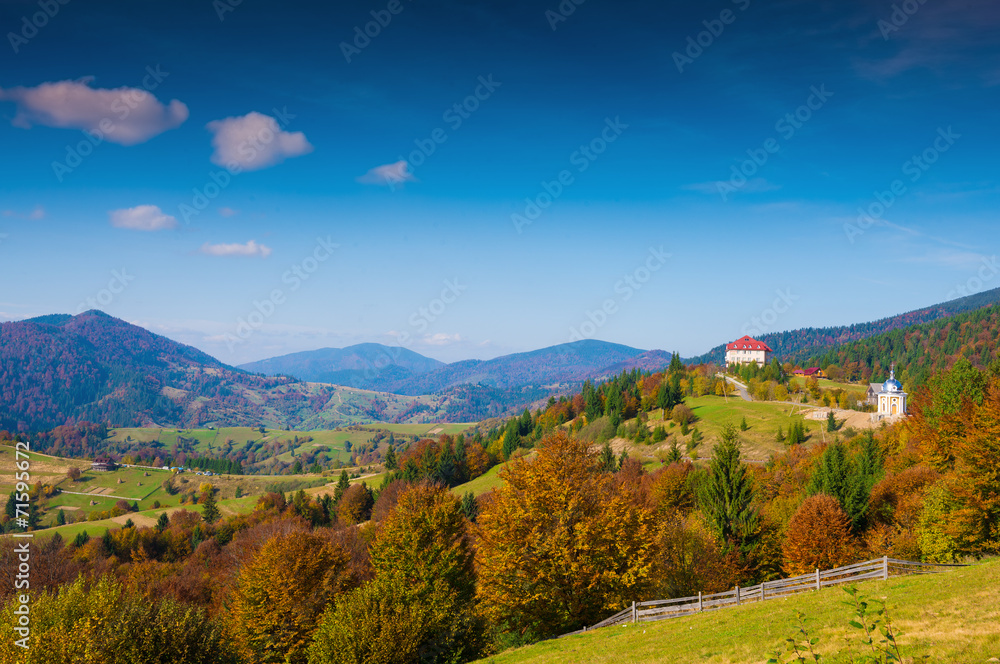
(470, 508)
(60, 518)
(342, 485)
(728, 497)
(676, 366)
(162, 522)
(831, 422)
(607, 462)
(209, 509)
(390, 458)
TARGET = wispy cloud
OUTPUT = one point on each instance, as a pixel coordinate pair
(752, 186)
(249, 248)
(441, 339)
(125, 116)
(142, 218)
(38, 212)
(389, 174)
(228, 212)
(254, 141)
(948, 258)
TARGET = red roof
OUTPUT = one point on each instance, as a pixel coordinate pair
(807, 372)
(748, 343)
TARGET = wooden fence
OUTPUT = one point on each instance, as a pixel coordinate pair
(880, 568)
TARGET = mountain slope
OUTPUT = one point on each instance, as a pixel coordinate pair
(556, 365)
(797, 346)
(920, 351)
(367, 366)
(61, 369)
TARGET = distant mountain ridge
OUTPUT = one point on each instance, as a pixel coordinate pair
(368, 366)
(63, 369)
(402, 371)
(60, 369)
(799, 346)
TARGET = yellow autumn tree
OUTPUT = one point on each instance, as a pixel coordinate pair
(281, 594)
(976, 482)
(561, 544)
(421, 604)
(98, 620)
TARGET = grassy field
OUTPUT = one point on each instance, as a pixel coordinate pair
(763, 418)
(486, 482)
(827, 384)
(212, 440)
(952, 617)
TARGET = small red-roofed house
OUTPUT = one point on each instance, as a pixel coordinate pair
(747, 351)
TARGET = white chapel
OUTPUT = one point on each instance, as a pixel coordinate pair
(892, 398)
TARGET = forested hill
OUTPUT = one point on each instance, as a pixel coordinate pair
(921, 350)
(62, 369)
(798, 346)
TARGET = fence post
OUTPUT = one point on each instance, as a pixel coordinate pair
(737, 595)
(634, 613)
(763, 589)
(819, 585)
(700, 605)
(885, 568)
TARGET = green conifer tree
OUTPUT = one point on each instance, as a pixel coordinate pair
(728, 497)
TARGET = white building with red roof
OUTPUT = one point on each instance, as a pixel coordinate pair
(747, 351)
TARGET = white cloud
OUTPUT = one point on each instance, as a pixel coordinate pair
(254, 141)
(122, 115)
(228, 212)
(389, 174)
(142, 218)
(250, 248)
(441, 339)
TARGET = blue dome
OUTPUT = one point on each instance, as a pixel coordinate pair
(892, 385)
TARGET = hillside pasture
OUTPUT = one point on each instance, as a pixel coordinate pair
(952, 617)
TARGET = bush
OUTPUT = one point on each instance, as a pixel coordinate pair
(102, 622)
(372, 625)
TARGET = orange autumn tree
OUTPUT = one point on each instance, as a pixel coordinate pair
(975, 524)
(281, 593)
(561, 544)
(819, 536)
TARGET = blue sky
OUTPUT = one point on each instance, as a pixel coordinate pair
(257, 190)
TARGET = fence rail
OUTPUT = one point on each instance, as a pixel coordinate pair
(880, 568)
